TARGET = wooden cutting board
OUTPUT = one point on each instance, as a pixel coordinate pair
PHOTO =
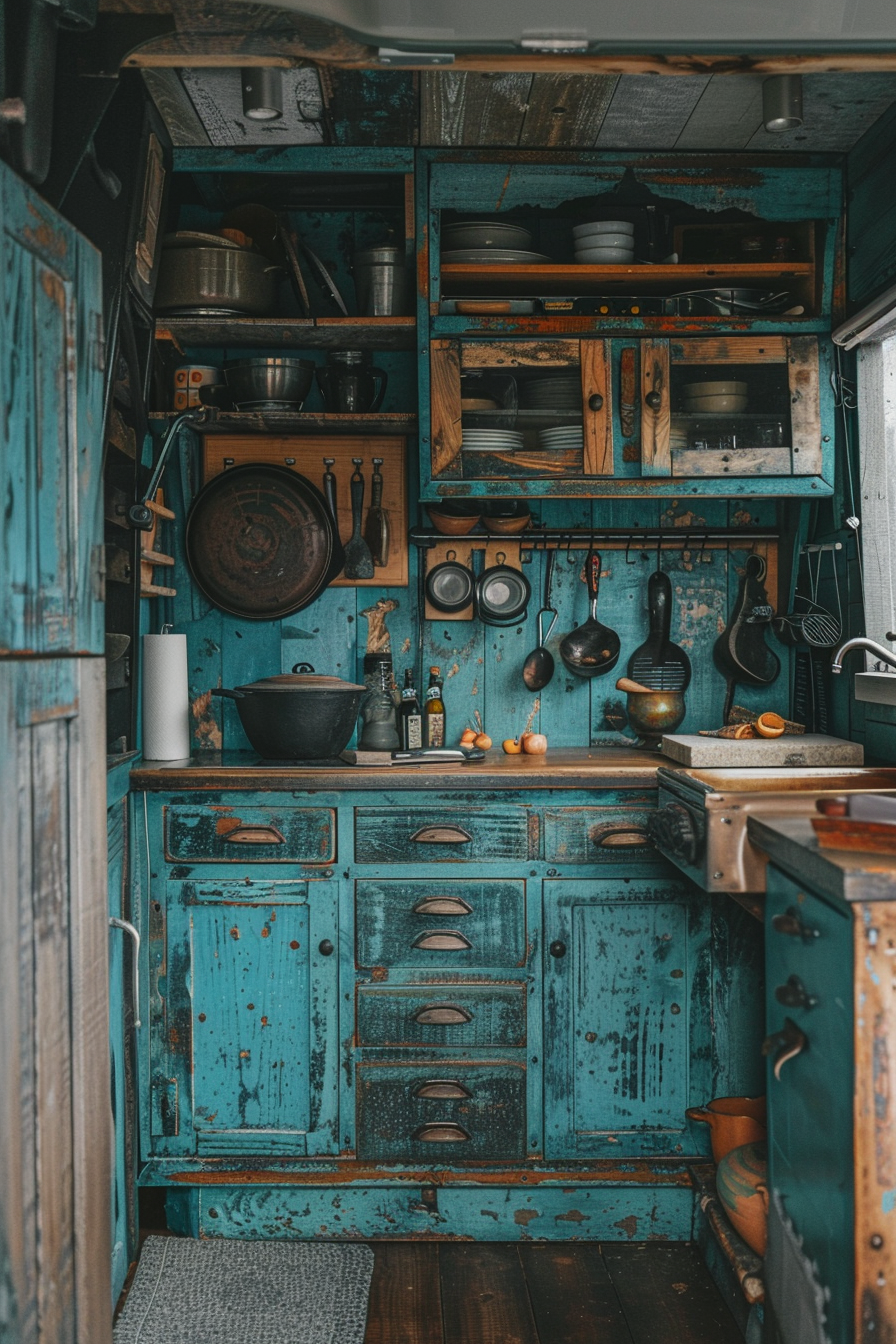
(807, 749)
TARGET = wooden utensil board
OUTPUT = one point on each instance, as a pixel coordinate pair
(306, 455)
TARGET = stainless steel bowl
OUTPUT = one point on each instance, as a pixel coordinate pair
(269, 382)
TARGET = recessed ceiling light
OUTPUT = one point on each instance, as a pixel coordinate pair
(262, 92)
(782, 103)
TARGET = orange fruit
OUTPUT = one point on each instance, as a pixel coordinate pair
(770, 725)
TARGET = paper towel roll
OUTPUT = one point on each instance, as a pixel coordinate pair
(166, 698)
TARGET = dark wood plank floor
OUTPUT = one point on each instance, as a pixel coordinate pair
(544, 1293)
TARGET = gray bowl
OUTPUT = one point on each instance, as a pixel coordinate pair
(269, 381)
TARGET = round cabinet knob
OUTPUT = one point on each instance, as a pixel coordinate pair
(595, 402)
(654, 400)
(557, 949)
(326, 948)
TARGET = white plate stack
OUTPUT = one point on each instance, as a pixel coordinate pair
(604, 242)
(491, 440)
(561, 393)
(561, 439)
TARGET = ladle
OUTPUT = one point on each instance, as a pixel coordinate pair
(591, 649)
(539, 665)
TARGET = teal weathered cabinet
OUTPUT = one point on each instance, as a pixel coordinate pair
(627, 1032)
(242, 1017)
(122, 1011)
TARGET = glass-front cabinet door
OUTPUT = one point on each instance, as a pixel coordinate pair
(598, 416)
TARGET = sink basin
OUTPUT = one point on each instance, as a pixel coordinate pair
(783, 779)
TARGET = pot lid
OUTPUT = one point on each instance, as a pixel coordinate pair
(298, 680)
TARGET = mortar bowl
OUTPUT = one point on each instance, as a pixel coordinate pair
(652, 713)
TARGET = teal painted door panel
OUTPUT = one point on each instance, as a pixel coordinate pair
(440, 924)
(243, 1004)
(123, 1223)
(447, 1014)
(441, 1111)
(51, 381)
(810, 1105)
(626, 1033)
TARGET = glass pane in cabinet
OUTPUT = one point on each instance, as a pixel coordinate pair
(525, 423)
(733, 409)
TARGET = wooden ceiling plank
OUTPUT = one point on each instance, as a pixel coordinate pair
(837, 111)
(727, 115)
(649, 113)
(566, 111)
(495, 107)
(441, 107)
(175, 108)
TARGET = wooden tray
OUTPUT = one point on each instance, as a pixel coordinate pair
(305, 455)
(874, 837)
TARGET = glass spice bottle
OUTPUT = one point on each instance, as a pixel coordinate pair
(434, 712)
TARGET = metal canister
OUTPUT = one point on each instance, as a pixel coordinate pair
(380, 281)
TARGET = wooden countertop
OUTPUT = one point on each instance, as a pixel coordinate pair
(841, 875)
(562, 768)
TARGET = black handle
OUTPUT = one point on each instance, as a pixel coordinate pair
(230, 695)
(330, 487)
(303, 667)
(659, 604)
(790, 924)
(376, 484)
(557, 948)
(785, 1044)
(654, 400)
(592, 575)
(595, 402)
(357, 494)
(548, 576)
(794, 994)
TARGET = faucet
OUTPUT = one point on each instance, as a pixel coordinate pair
(860, 642)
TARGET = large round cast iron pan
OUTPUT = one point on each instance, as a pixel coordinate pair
(261, 542)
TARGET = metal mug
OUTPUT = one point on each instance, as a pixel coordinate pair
(381, 281)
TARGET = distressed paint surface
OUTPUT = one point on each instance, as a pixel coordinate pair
(391, 918)
(273, 833)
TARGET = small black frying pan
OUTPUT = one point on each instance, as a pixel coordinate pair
(502, 594)
(449, 586)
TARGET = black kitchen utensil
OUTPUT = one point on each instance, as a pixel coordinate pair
(449, 585)
(502, 594)
(658, 663)
(260, 542)
(358, 560)
(539, 665)
(592, 648)
(741, 652)
(376, 529)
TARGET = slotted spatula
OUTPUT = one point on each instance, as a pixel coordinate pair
(659, 663)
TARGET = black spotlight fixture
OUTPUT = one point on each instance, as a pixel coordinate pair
(782, 102)
(262, 92)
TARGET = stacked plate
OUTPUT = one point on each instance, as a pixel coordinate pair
(476, 234)
(491, 440)
(561, 392)
(604, 242)
(718, 397)
(562, 438)
(492, 256)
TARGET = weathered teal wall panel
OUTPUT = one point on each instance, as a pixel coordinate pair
(871, 211)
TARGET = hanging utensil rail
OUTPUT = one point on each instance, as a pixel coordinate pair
(551, 538)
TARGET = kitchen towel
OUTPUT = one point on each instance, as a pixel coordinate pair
(166, 698)
(190, 1291)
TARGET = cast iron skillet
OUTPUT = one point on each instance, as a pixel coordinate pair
(260, 542)
(502, 594)
(449, 586)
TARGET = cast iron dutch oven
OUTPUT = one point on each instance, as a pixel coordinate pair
(299, 716)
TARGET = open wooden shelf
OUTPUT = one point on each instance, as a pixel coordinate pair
(380, 333)
(550, 279)
(298, 422)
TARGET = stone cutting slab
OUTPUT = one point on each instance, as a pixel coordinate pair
(808, 749)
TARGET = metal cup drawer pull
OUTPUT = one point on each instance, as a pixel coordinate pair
(441, 1131)
(794, 994)
(442, 1015)
(443, 905)
(621, 837)
(791, 924)
(442, 940)
(785, 1044)
(255, 835)
(443, 1089)
(441, 835)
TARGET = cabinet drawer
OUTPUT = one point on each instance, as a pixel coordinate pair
(250, 834)
(435, 835)
(442, 1014)
(596, 834)
(440, 923)
(441, 1111)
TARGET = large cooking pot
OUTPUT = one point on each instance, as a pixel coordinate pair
(229, 279)
(299, 716)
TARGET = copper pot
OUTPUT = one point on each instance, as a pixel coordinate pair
(733, 1121)
(652, 713)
